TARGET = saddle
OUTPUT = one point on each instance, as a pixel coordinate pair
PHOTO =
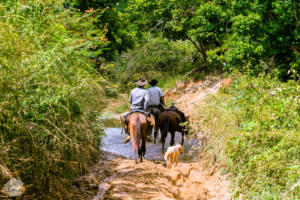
(159, 106)
(139, 111)
(124, 119)
(172, 107)
(175, 109)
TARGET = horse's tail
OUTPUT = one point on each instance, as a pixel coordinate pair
(135, 141)
(138, 129)
(166, 126)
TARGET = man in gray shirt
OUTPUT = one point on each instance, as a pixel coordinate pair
(155, 103)
(155, 96)
(137, 96)
(138, 103)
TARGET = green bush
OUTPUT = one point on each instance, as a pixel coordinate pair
(264, 35)
(49, 96)
(239, 33)
(254, 128)
(155, 59)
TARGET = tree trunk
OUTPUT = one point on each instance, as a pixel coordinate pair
(200, 48)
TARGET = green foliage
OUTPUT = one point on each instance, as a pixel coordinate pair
(261, 34)
(229, 34)
(123, 108)
(49, 95)
(264, 35)
(107, 17)
(254, 128)
(176, 19)
(155, 59)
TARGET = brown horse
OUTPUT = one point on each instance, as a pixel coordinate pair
(138, 127)
(156, 112)
(169, 121)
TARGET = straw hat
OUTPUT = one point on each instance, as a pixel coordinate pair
(141, 82)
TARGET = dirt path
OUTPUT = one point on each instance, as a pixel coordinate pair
(116, 177)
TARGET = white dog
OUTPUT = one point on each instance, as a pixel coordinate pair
(172, 154)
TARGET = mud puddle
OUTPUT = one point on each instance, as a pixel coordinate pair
(113, 143)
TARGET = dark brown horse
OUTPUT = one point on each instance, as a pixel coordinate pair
(138, 127)
(156, 112)
(170, 121)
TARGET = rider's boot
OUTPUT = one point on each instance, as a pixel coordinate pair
(126, 139)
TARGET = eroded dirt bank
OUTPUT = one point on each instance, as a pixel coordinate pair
(117, 177)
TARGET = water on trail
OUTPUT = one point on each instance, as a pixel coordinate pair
(119, 177)
(112, 142)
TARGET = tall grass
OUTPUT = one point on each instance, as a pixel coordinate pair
(253, 131)
(49, 95)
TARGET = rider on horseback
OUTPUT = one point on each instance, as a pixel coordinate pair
(155, 96)
(139, 103)
(137, 96)
(155, 105)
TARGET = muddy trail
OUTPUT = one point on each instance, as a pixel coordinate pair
(117, 176)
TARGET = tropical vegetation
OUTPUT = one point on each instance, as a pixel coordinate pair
(61, 59)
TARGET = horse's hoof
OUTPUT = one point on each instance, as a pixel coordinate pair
(136, 161)
(149, 139)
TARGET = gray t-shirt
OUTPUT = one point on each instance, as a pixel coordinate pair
(137, 98)
(153, 96)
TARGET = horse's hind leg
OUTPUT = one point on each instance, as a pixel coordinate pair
(172, 138)
(182, 139)
(135, 157)
(163, 138)
(143, 148)
(140, 154)
(150, 131)
(155, 133)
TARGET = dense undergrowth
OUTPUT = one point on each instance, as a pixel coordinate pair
(253, 131)
(158, 58)
(50, 92)
(49, 96)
